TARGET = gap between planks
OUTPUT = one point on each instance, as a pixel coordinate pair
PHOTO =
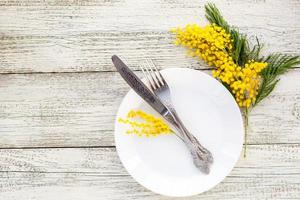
(84, 72)
(104, 71)
(112, 146)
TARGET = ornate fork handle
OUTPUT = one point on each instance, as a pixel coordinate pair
(192, 138)
(202, 158)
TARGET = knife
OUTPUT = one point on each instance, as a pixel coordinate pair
(138, 86)
(145, 93)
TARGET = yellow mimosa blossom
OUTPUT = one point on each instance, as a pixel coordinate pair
(144, 124)
(213, 45)
(246, 83)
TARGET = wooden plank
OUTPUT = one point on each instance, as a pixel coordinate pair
(103, 161)
(261, 160)
(56, 110)
(79, 186)
(69, 36)
(269, 172)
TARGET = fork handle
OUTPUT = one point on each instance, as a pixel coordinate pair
(191, 137)
(202, 158)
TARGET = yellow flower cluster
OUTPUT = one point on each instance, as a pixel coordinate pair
(207, 43)
(244, 82)
(213, 45)
(144, 124)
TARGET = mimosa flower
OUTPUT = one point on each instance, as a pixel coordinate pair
(144, 124)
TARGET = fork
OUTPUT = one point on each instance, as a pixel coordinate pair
(201, 156)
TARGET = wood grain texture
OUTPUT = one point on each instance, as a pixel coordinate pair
(269, 172)
(75, 36)
(70, 109)
(79, 186)
(262, 159)
(76, 106)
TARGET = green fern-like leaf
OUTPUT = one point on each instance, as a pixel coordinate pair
(254, 53)
(214, 16)
(277, 64)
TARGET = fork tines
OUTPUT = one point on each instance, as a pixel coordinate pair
(153, 75)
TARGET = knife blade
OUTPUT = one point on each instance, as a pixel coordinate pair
(138, 86)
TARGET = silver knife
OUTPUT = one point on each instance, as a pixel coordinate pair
(145, 93)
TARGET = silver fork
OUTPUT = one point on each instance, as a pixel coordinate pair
(201, 156)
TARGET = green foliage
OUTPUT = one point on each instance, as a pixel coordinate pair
(254, 54)
(277, 64)
(214, 16)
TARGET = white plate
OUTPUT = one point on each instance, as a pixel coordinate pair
(163, 164)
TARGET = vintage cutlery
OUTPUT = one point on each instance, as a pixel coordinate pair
(142, 90)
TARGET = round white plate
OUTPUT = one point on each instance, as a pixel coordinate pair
(163, 164)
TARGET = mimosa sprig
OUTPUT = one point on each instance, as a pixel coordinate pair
(248, 75)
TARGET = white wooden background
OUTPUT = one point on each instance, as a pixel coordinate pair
(59, 95)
